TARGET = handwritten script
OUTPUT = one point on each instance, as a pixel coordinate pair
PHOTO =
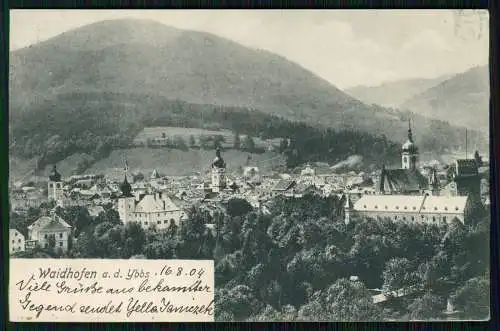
(83, 290)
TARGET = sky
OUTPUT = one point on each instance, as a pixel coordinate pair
(345, 47)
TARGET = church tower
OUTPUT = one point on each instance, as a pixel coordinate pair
(409, 154)
(218, 172)
(434, 184)
(55, 186)
(126, 202)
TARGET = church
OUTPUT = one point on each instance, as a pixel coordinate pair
(406, 195)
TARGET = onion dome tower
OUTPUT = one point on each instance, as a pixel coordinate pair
(218, 172)
(55, 185)
(409, 153)
(126, 188)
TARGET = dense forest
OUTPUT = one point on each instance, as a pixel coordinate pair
(102, 122)
(296, 262)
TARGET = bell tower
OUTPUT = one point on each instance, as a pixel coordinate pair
(409, 152)
(55, 185)
(218, 172)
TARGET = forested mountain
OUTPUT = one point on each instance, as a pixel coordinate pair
(461, 100)
(93, 88)
(393, 94)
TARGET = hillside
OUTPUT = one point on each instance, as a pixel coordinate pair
(93, 89)
(393, 94)
(150, 58)
(462, 100)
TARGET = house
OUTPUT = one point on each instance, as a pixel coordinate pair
(155, 210)
(284, 187)
(465, 174)
(16, 241)
(47, 227)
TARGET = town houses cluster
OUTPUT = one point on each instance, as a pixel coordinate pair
(434, 193)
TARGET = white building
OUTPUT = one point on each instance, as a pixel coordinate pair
(149, 210)
(16, 241)
(47, 227)
(412, 208)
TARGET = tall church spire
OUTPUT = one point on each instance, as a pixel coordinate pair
(409, 153)
(410, 136)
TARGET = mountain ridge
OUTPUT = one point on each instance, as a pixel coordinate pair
(147, 62)
(393, 93)
(462, 99)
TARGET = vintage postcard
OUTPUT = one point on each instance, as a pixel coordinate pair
(249, 165)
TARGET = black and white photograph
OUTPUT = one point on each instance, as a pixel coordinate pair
(334, 164)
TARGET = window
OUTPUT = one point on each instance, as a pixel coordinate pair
(13, 241)
(444, 218)
(414, 208)
(376, 207)
(445, 208)
(404, 218)
(19, 240)
(46, 245)
(423, 216)
(406, 207)
(15, 234)
(395, 217)
(45, 236)
(412, 218)
(433, 219)
(60, 235)
(158, 222)
(164, 221)
(364, 206)
(60, 244)
(456, 208)
(435, 208)
(423, 208)
(145, 223)
(397, 207)
(385, 207)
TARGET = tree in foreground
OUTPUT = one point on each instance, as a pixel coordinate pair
(473, 298)
(343, 301)
(427, 307)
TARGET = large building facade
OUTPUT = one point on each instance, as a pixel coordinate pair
(437, 210)
(406, 195)
(151, 211)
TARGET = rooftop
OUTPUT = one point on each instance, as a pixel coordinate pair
(419, 204)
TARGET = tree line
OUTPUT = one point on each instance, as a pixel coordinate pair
(296, 262)
(108, 121)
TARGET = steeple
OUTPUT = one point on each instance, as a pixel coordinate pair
(409, 151)
(410, 136)
(218, 172)
(54, 175)
(218, 161)
(434, 182)
(126, 188)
